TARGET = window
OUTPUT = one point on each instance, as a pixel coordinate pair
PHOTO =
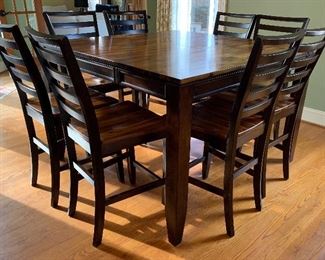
(194, 15)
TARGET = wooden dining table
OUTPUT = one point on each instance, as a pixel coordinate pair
(179, 67)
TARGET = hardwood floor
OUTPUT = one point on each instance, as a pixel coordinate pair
(290, 226)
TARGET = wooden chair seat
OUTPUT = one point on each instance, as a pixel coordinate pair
(123, 121)
(211, 123)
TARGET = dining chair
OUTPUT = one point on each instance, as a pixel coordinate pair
(227, 126)
(234, 25)
(36, 104)
(129, 22)
(72, 24)
(292, 97)
(39, 105)
(76, 25)
(101, 131)
(278, 25)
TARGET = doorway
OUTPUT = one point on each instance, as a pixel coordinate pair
(23, 13)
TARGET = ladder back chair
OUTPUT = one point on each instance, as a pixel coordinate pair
(37, 105)
(292, 97)
(76, 25)
(234, 25)
(100, 131)
(227, 126)
(129, 22)
(72, 24)
(278, 25)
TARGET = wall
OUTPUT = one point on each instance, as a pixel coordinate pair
(152, 11)
(68, 3)
(315, 10)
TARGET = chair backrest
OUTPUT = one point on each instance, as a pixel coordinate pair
(304, 63)
(65, 79)
(130, 22)
(72, 24)
(108, 7)
(27, 78)
(263, 78)
(235, 25)
(278, 25)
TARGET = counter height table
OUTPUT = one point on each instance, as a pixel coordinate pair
(178, 67)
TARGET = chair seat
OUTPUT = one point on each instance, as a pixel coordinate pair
(211, 123)
(124, 123)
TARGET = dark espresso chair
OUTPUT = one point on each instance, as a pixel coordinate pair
(129, 22)
(39, 105)
(234, 25)
(292, 97)
(76, 25)
(101, 132)
(227, 126)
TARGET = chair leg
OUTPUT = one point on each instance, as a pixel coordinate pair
(206, 162)
(34, 160)
(228, 196)
(163, 192)
(99, 206)
(73, 178)
(259, 152)
(131, 167)
(55, 185)
(287, 145)
(120, 169)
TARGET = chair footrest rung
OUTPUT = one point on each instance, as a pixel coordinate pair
(147, 170)
(279, 140)
(206, 186)
(135, 191)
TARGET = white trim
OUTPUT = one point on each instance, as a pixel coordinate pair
(314, 116)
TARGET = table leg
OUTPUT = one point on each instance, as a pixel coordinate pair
(179, 114)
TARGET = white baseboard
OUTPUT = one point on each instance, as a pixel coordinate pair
(314, 116)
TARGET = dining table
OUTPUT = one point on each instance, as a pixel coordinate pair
(179, 67)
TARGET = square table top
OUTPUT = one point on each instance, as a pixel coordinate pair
(179, 57)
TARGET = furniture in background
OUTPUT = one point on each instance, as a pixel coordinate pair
(234, 25)
(101, 131)
(130, 22)
(292, 97)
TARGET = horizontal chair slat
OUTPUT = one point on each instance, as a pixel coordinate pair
(80, 35)
(292, 89)
(59, 76)
(233, 34)
(28, 90)
(277, 56)
(297, 76)
(276, 28)
(65, 94)
(8, 43)
(256, 108)
(14, 59)
(72, 112)
(52, 57)
(127, 22)
(20, 74)
(235, 24)
(73, 25)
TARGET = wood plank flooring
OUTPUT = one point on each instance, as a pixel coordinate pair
(290, 226)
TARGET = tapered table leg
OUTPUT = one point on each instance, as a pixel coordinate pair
(179, 113)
